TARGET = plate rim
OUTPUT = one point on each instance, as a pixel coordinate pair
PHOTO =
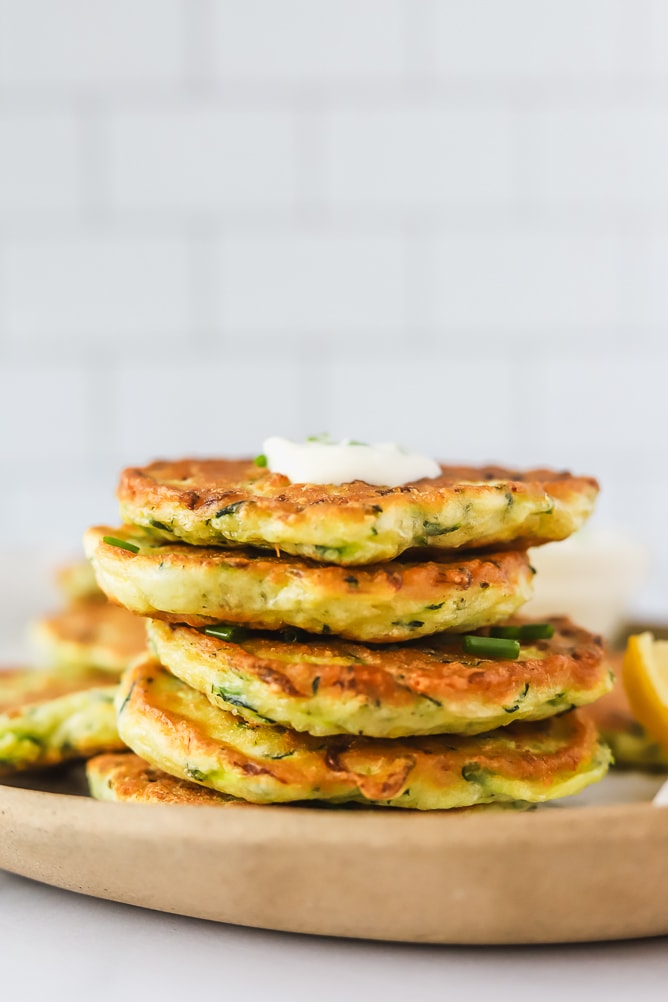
(483, 877)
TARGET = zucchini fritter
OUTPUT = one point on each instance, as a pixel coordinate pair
(127, 778)
(179, 731)
(428, 687)
(51, 717)
(77, 582)
(382, 603)
(233, 502)
(631, 745)
(89, 633)
(20, 687)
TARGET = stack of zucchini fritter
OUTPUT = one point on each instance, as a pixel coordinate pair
(346, 644)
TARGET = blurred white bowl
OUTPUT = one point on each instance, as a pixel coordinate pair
(592, 577)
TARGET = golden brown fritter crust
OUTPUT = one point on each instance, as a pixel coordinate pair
(233, 502)
(378, 603)
(179, 731)
(126, 778)
(430, 686)
(90, 633)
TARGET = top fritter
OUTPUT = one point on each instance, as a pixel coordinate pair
(219, 502)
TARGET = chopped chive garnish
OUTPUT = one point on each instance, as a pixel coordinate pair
(492, 647)
(505, 632)
(524, 633)
(536, 631)
(223, 632)
(260, 460)
(122, 544)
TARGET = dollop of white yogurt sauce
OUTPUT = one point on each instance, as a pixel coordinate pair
(321, 461)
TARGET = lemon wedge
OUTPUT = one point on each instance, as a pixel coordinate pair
(645, 678)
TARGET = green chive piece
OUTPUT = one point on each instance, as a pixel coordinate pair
(224, 632)
(536, 631)
(492, 647)
(122, 544)
(524, 633)
(505, 632)
(260, 460)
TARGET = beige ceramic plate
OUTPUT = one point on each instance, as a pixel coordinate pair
(555, 875)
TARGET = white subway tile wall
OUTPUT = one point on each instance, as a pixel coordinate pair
(299, 40)
(311, 284)
(202, 158)
(95, 287)
(40, 169)
(440, 221)
(47, 48)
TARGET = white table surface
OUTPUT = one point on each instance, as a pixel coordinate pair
(57, 945)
